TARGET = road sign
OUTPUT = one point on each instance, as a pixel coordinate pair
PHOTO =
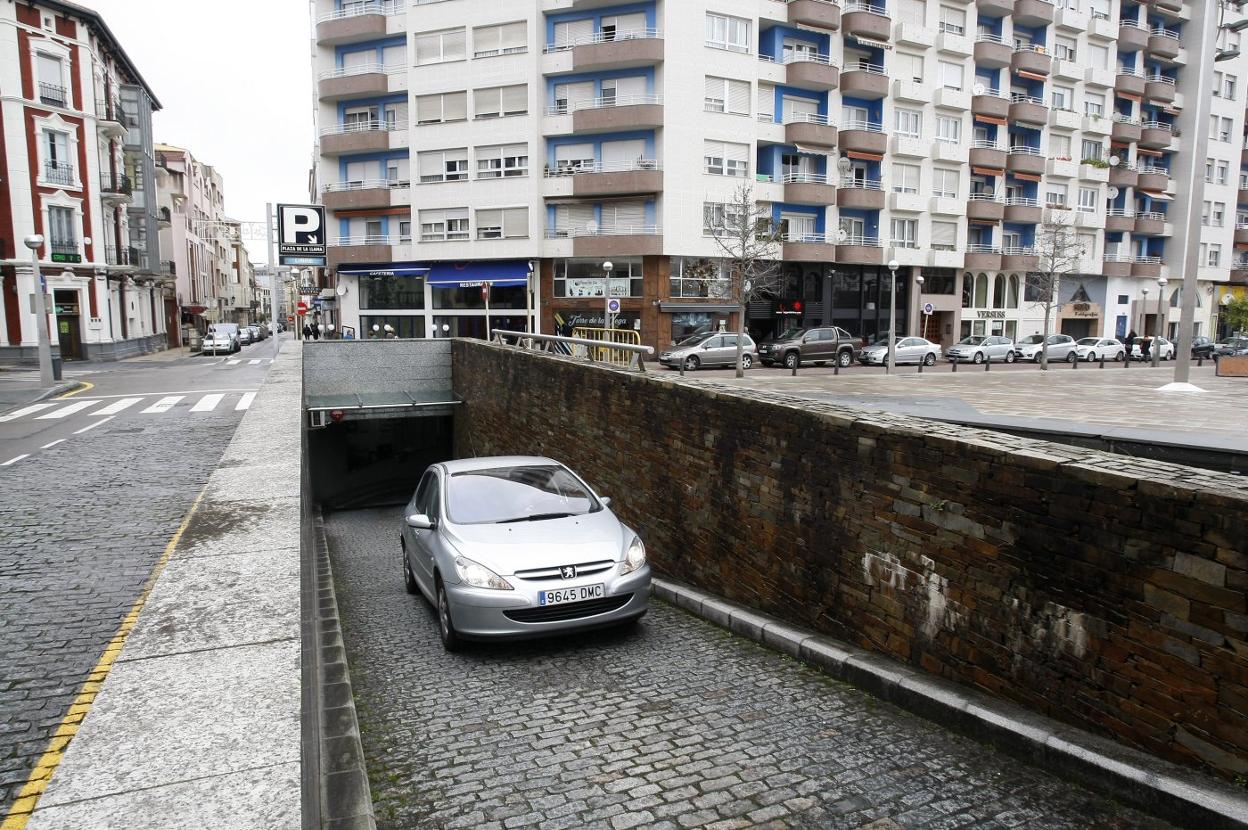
(302, 306)
(613, 306)
(301, 312)
(301, 234)
(290, 318)
(928, 308)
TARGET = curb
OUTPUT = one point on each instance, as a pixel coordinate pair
(331, 732)
(60, 389)
(1156, 786)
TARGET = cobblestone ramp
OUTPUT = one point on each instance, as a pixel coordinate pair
(675, 725)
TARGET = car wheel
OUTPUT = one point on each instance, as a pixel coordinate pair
(929, 359)
(1010, 357)
(1120, 356)
(979, 358)
(409, 581)
(792, 360)
(692, 363)
(1091, 356)
(846, 359)
(746, 361)
(446, 628)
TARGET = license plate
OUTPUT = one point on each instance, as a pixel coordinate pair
(559, 596)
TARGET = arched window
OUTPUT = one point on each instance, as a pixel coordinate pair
(968, 288)
(998, 291)
(1176, 299)
(981, 291)
(1011, 300)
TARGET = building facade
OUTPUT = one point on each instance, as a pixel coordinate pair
(76, 151)
(463, 145)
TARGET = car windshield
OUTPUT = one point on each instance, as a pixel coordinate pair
(791, 333)
(695, 339)
(1032, 340)
(970, 341)
(1089, 341)
(531, 492)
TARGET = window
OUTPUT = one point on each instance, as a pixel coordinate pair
(1063, 98)
(731, 33)
(945, 182)
(726, 159)
(1218, 216)
(951, 75)
(1059, 146)
(585, 278)
(438, 109)
(1087, 199)
(913, 12)
(944, 238)
(1229, 83)
(443, 225)
(1055, 195)
(905, 232)
(443, 165)
(948, 129)
(905, 178)
(61, 233)
(720, 218)
(1209, 170)
(440, 47)
(1204, 213)
(503, 223)
(1098, 56)
(1092, 150)
(1064, 48)
(1224, 129)
(498, 101)
(51, 79)
(727, 95)
(1214, 257)
(405, 231)
(908, 67)
(953, 20)
(909, 123)
(695, 277)
(503, 39)
(1222, 171)
(502, 161)
(1094, 104)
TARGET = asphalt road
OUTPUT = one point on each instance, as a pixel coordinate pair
(94, 486)
(676, 724)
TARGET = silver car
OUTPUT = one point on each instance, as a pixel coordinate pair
(712, 348)
(905, 350)
(978, 348)
(518, 547)
(1061, 347)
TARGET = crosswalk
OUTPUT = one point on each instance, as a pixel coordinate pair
(242, 361)
(108, 408)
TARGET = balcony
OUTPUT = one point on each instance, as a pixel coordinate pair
(1031, 59)
(1125, 128)
(116, 189)
(1239, 270)
(1123, 175)
(992, 52)
(859, 250)
(995, 8)
(864, 137)
(1242, 196)
(990, 102)
(615, 241)
(866, 20)
(624, 178)
(616, 112)
(1129, 82)
(111, 119)
(1065, 119)
(1163, 43)
(1033, 12)
(1159, 89)
(344, 249)
(808, 247)
(822, 14)
(118, 257)
(1117, 265)
(360, 195)
(986, 207)
(982, 257)
(1150, 224)
(988, 154)
(1022, 258)
(1241, 233)
(808, 189)
(812, 72)
(864, 80)
(1132, 37)
(1171, 6)
(53, 95)
(1155, 134)
(1023, 209)
(1120, 219)
(1153, 178)
(1027, 109)
(353, 82)
(359, 21)
(59, 173)
(1023, 159)
(164, 217)
(1061, 168)
(1146, 266)
(615, 50)
(1243, 156)
(865, 194)
(356, 137)
(811, 129)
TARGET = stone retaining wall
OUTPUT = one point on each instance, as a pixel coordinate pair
(1103, 590)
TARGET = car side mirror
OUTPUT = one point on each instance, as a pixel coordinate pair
(606, 500)
(419, 521)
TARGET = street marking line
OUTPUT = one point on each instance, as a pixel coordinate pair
(93, 426)
(167, 392)
(117, 406)
(253, 363)
(15, 459)
(207, 403)
(26, 410)
(28, 797)
(162, 405)
(232, 362)
(66, 411)
(83, 386)
(52, 444)
(245, 401)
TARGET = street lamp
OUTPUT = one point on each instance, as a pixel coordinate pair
(1161, 295)
(35, 242)
(1143, 316)
(892, 313)
(918, 282)
(607, 267)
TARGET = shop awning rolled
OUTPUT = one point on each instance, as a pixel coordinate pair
(1032, 76)
(991, 119)
(395, 270)
(472, 274)
(1157, 196)
(987, 171)
(1027, 177)
(855, 154)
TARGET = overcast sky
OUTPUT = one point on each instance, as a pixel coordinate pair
(235, 80)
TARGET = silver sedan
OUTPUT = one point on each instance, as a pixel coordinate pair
(905, 350)
(519, 547)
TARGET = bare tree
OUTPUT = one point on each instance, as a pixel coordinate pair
(749, 242)
(1059, 252)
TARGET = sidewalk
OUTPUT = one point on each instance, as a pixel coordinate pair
(19, 391)
(192, 716)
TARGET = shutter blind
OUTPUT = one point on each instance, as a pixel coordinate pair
(621, 216)
(454, 106)
(430, 166)
(944, 233)
(736, 152)
(516, 222)
(567, 34)
(454, 45)
(622, 153)
(630, 87)
(351, 60)
(515, 99)
(394, 57)
(513, 36)
(573, 152)
(767, 100)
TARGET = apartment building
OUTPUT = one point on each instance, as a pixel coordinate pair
(464, 143)
(76, 156)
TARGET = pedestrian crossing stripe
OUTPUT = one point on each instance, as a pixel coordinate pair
(13, 416)
(238, 361)
(110, 408)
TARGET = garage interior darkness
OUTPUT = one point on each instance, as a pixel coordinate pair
(374, 462)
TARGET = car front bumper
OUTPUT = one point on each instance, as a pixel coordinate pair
(481, 613)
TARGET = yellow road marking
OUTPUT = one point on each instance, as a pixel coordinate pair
(37, 782)
(83, 386)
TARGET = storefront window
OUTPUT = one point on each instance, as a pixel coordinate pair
(392, 292)
(688, 323)
(981, 291)
(1011, 300)
(475, 326)
(939, 281)
(402, 326)
(998, 292)
(567, 320)
(968, 288)
(454, 297)
(699, 277)
(585, 278)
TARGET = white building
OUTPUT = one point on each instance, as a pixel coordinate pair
(461, 141)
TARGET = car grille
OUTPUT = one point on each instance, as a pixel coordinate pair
(569, 611)
(582, 569)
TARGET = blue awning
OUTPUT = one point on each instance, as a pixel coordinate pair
(383, 270)
(471, 274)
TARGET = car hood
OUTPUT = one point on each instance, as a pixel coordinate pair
(877, 347)
(520, 546)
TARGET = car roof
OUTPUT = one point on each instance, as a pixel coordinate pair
(463, 465)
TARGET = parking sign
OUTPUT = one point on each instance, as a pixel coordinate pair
(301, 234)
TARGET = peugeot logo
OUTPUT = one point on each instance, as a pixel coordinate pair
(568, 572)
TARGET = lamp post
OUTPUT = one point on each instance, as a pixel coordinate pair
(918, 301)
(892, 314)
(35, 242)
(607, 267)
(1143, 319)
(1161, 295)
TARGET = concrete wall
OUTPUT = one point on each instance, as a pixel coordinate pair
(336, 367)
(1106, 591)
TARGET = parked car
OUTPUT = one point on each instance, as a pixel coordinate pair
(1237, 346)
(217, 342)
(906, 350)
(819, 345)
(1061, 347)
(244, 336)
(228, 329)
(712, 348)
(1203, 347)
(519, 547)
(258, 333)
(1094, 348)
(1166, 347)
(978, 348)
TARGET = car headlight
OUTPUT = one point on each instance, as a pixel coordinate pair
(478, 576)
(635, 558)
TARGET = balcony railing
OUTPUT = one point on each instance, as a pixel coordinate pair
(984, 197)
(1018, 250)
(1131, 71)
(361, 127)
(361, 69)
(115, 184)
(63, 246)
(1156, 216)
(1125, 119)
(1131, 24)
(374, 7)
(630, 166)
(807, 118)
(807, 238)
(993, 92)
(860, 6)
(865, 66)
(605, 102)
(990, 38)
(368, 184)
(1021, 201)
(1160, 79)
(865, 126)
(1020, 98)
(1031, 47)
(349, 241)
(113, 256)
(1153, 169)
(860, 240)
(614, 230)
(852, 183)
(58, 173)
(807, 57)
(1162, 31)
(1147, 260)
(804, 178)
(1123, 213)
(52, 94)
(1157, 125)
(604, 37)
(1024, 150)
(982, 248)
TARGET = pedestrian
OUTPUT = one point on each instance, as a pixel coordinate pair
(307, 331)
(1146, 344)
(1130, 341)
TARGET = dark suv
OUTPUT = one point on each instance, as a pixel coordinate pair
(818, 345)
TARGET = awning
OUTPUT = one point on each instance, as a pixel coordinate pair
(991, 119)
(987, 171)
(1027, 177)
(470, 274)
(195, 309)
(810, 151)
(383, 270)
(1032, 76)
(854, 154)
(1157, 196)
(1130, 96)
(1144, 151)
(327, 294)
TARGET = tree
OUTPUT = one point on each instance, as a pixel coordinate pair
(1235, 314)
(1059, 252)
(749, 242)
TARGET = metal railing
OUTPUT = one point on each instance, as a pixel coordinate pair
(576, 347)
(1158, 78)
(369, 184)
(860, 6)
(614, 230)
(359, 69)
(860, 240)
(52, 94)
(851, 183)
(1020, 98)
(119, 183)
(1157, 125)
(608, 101)
(804, 178)
(811, 238)
(1031, 47)
(982, 248)
(807, 118)
(1131, 24)
(359, 9)
(1156, 216)
(1130, 71)
(1147, 260)
(1125, 119)
(608, 337)
(604, 37)
(984, 197)
(1153, 169)
(806, 57)
(1118, 258)
(1121, 213)
(989, 38)
(349, 241)
(1022, 201)
(1024, 150)
(1018, 250)
(361, 127)
(1162, 31)
(630, 166)
(864, 126)
(865, 66)
(63, 246)
(992, 93)
(58, 173)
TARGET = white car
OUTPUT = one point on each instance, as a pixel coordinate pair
(978, 348)
(1167, 349)
(1094, 348)
(905, 350)
(1061, 347)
